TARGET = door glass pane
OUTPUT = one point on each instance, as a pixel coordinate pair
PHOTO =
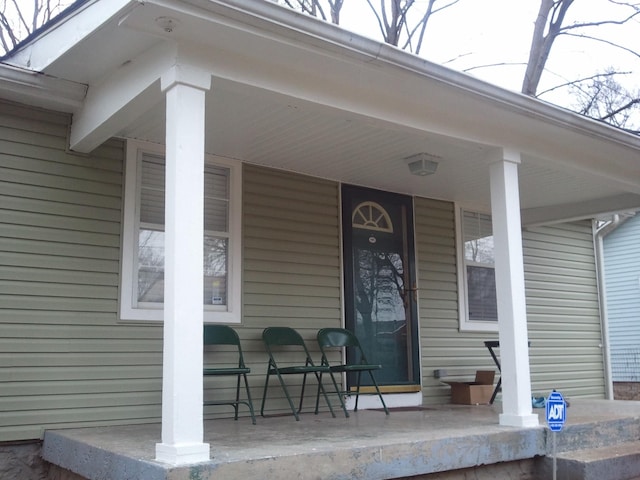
(380, 312)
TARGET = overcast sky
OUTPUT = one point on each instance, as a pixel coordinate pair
(486, 32)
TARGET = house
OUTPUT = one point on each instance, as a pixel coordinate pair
(621, 260)
(341, 182)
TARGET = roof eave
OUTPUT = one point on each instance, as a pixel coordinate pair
(392, 56)
(32, 88)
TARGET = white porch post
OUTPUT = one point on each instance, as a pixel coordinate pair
(182, 388)
(512, 312)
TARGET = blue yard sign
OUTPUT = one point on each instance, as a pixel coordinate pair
(556, 411)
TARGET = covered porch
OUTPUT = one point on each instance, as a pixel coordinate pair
(445, 440)
(258, 84)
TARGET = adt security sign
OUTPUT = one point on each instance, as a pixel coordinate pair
(556, 411)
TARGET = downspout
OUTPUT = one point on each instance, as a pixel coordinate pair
(598, 237)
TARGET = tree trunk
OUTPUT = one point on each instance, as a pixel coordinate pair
(550, 16)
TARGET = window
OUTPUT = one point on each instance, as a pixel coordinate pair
(142, 288)
(478, 305)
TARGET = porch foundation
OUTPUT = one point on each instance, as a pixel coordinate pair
(370, 445)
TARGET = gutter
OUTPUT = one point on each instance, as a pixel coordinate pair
(38, 89)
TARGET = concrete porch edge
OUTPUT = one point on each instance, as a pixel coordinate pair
(368, 445)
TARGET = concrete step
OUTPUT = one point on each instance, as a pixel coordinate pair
(616, 462)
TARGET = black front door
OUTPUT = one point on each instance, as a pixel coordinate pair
(380, 284)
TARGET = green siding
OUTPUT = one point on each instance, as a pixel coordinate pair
(562, 307)
(563, 310)
(292, 265)
(443, 346)
(66, 361)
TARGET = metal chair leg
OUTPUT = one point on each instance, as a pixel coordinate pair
(384, 405)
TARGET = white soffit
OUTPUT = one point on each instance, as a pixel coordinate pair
(295, 93)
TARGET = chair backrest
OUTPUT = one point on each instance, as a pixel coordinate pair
(337, 337)
(329, 338)
(285, 337)
(282, 336)
(220, 335)
(223, 335)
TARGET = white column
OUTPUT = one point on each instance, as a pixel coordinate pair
(512, 311)
(182, 387)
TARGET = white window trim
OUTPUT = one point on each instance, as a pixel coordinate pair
(232, 313)
(467, 325)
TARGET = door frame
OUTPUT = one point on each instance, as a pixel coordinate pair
(409, 244)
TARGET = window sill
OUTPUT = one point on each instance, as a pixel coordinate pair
(471, 326)
(157, 315)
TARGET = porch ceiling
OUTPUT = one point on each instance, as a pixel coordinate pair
(273, 130)
(294, 93)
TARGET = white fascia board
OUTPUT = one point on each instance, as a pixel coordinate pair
(51, 44)
(41, 90)
(125, 95)
(580, 211)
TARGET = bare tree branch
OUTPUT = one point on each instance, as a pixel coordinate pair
(626, 106)
(549, 26)
(490, 65)
(604, 99)
(20, 18)
(602, 40)
(421, 25)
(580, 80)
(600, 23)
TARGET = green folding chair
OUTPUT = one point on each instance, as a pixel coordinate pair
(285, 343)
(338, 339)
(224, 335)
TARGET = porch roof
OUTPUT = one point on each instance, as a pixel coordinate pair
(295, 93)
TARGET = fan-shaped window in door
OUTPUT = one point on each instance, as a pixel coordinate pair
(371, 216)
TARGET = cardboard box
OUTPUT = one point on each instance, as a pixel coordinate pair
(473, 393)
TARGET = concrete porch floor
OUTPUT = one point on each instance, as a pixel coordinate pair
(368, 445)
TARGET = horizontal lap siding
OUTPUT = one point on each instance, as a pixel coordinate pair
(292, 265)
(622, 280)
(443, 346)
(563, 310)
(64, 358)
(562, 307)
